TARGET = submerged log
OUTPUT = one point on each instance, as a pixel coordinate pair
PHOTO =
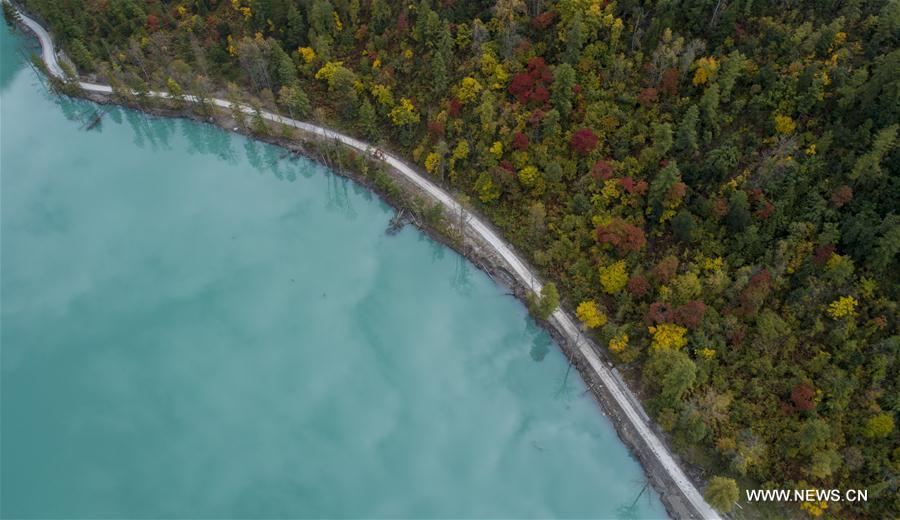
(397, 223)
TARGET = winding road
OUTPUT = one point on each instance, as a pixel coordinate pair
(617, 389)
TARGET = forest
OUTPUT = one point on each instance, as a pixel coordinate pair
(712, 185)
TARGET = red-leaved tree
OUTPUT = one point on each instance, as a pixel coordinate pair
(624, 237)
(584, 141)
(802, 395)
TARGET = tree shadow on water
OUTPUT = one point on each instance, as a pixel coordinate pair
(462, 276)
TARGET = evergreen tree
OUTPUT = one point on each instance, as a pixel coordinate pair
(367, 122)
(687, 130)
(296, 33)
(561, 91)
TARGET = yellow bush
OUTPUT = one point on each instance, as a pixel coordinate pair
(307, 53)
(784, 125)
(432, 161)
(815, 509)
(668, 336)
(706, 70)
(610, 190)
(469, 88)
(462, 150)
(405, 113)
(590, 314)
(383, 95)
(618, 343)
(843, 306)
(528, 176)
(614, 277)
(328, 70)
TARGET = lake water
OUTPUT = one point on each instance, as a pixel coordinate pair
(194, 326)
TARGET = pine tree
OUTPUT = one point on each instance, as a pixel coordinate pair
(575, 38)
(367, 123)
(296, 34)
(687, 131)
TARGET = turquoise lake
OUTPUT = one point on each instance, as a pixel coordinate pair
(195, 326)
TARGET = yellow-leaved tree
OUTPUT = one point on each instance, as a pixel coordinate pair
(842, 307)
(668, 336)
(614, 277)
(404, 113)
(590, 314)
(469, 88)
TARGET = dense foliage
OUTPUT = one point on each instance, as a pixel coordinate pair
(713, 184)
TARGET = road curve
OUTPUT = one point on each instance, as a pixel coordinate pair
(623, 396)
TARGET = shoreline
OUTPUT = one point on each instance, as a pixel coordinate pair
(484, 248)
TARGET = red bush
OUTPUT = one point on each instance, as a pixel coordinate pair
(520, 87)
(842, 195)
(584, 141)
(539, 71)
(823, 254)
(436, 128)
(453, 107)
(753, 295)
(766, 211)
(152, 22)
(669, 82)
(657, 313)
(719, 207)
(647, 96)
(540, 95)
(633, 188)
(623, 236)
(531, 85)
(520, 141)
(802, 395)
(639, 188)
(665, 270)
(690, 314)
(638, 286)
(543, 20)
(602, 170)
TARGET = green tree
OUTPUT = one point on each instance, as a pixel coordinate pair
(879, 426)
(81, 55)
(738, 217)
(722, 493)
(176, 92)
(662, 142)
(683, 226)
(687, 131)
(561, 92)
(294, 99)
(285, 70)
(367, 121)
(661, 194)
(296, 33)
(544, 305)
(672, 373)
(869, 164)
(575, 38)
(709, 109)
